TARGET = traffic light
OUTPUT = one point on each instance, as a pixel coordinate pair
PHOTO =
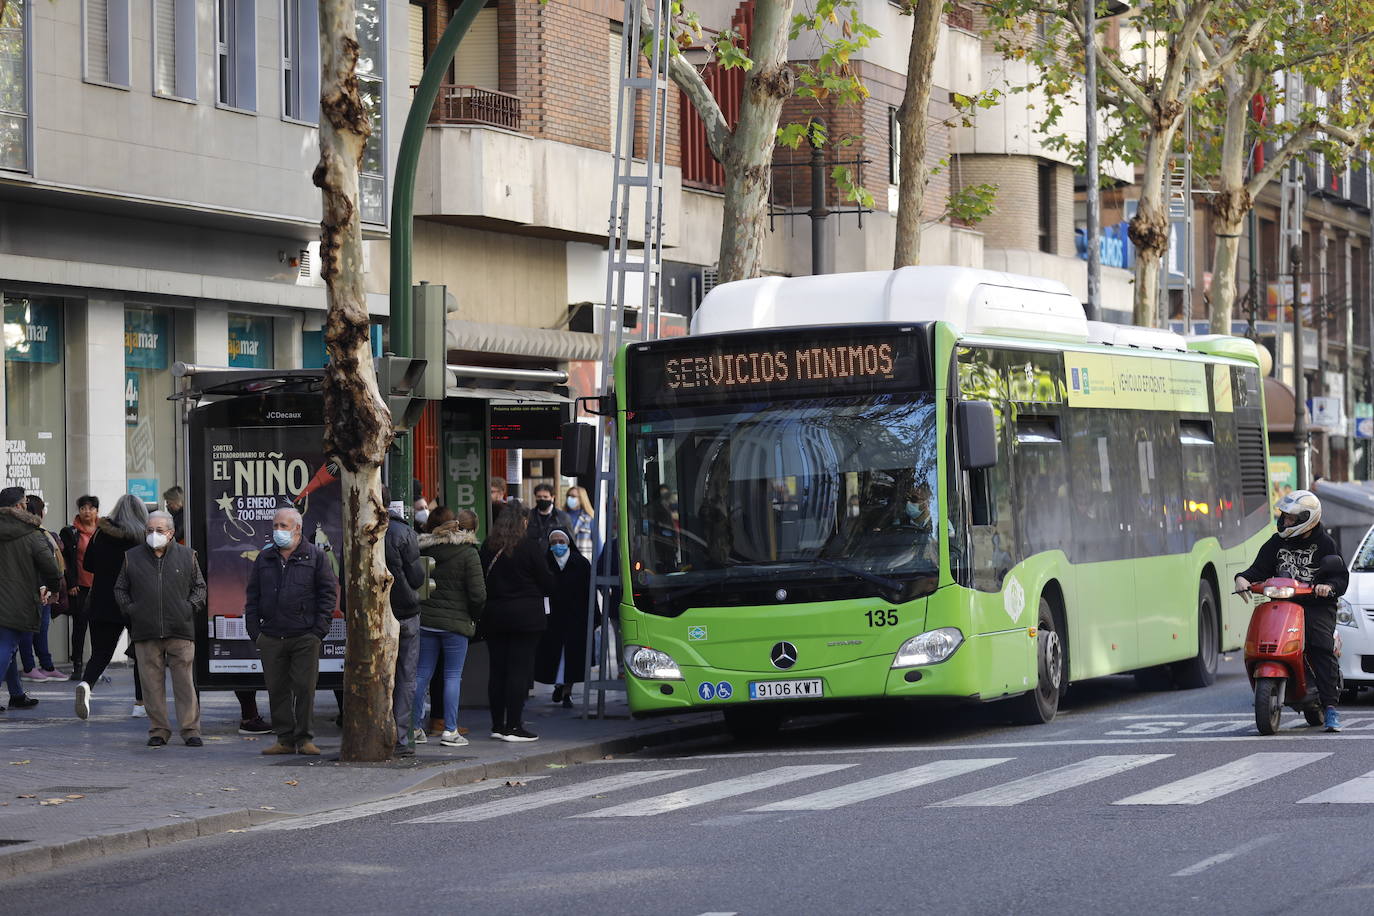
(427, 587)
(397, 378)
(429, 339)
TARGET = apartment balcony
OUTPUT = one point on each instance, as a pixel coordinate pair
(475, 105)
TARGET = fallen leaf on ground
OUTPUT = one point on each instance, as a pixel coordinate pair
(267, 807)
(556, 766)
(228, 789)
(18, 763)
(292, 782)
(513, 783)
(53, 801)
(26, 796)
(237, 830)
(609, 757)
(74, 797)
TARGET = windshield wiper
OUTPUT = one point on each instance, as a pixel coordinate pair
(882, 582)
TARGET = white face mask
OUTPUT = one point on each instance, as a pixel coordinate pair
(422, 516)
(572, 502)
(156, 540)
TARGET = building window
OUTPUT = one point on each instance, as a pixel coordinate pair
(174, 48)
(107, 41)
(236, 31)
(14, 86)
(419, 54)
(372, 88)
(894, 147)
(300, 60)
(1046, 209)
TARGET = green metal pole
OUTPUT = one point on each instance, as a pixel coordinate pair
(403, 216)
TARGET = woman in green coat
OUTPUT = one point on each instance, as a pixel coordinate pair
(448, 617)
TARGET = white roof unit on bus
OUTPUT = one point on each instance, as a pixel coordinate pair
(975, 301)
(1129, 335)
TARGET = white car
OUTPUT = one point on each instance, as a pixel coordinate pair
(1355, 618)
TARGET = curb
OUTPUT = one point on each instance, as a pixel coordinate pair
(60, 855)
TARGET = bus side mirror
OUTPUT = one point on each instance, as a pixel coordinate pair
(976, 428)
(579, 450)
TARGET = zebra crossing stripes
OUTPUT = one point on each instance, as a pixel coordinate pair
(1358, 791)
(383, 806)
(1051, 781)
(716, 791)
(878, 786)
(547, 797)
(1222, 780)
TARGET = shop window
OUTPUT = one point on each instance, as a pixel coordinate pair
(250, 342)
(151, 434)
(35, 399)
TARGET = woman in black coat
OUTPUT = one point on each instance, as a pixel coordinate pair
(518, 582)
(122, 531)
(562, 656)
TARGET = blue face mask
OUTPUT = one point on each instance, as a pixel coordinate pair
(559, 550)
(281, 538)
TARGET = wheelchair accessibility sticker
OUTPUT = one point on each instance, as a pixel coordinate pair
(724, 691)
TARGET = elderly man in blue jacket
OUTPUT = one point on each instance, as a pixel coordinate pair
(292, 593)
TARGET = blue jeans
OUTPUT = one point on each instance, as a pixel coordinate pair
(9, 641)
(455, 649)
(39, 641)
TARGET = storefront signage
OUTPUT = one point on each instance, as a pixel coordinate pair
(145, 488)
(250, 342)
(1113, 244)
(1326, 413)
(1364, 420)
(26, 464)
(131, 385)
(463, 458)
(835, 361)
(33, 331)
(145, 339)
(1135, 383)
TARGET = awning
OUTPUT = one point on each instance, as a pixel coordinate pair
(514, 340)
(1279, 402)
(518, 395)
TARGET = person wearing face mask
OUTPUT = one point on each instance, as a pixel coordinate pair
(289, 603)
(581, 515)
(544, 518)
(160, 591)
(562, 655)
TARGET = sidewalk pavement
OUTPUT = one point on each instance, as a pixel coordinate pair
(72, 790)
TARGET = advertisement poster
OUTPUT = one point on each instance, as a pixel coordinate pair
(1283, 479)
(250, 473)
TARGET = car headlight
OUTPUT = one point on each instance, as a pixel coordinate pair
(928, 648)
(1278, 591)
(1345, 614)
(651, 664)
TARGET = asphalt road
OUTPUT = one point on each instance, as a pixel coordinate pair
(1130, 802)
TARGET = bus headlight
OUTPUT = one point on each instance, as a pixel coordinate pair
(1345, 614)
(651, 664)
(928, 648)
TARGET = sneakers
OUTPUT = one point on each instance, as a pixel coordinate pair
(83, 700)
(452, 739)
(519, 734)
(308, 748)
(138, 712)
(497, 734)
(23, 701)
(157, 741)
(195, 741)
(52, 674)
(254, 726)
(277, 749)
(1332, 721)
(34, 674)
(418, 736)
(404, 752)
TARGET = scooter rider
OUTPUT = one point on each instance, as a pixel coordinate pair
(1296, 552)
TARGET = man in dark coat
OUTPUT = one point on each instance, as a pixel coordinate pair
(27, 563)
(292, 594)
(407, 575)
(160, 591)
(544, 518)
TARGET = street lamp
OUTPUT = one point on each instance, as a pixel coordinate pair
(1112, 8)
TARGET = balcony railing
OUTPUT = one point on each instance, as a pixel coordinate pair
(475, 105)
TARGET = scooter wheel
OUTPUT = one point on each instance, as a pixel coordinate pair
(1268, 708)
(1313, 715)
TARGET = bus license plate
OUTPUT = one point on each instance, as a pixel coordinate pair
(778, 690)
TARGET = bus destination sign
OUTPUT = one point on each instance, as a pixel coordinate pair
(831, 360)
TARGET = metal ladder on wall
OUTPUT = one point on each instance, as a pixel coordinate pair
(636, 93)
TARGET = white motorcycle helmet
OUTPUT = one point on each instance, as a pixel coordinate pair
(1299, 513)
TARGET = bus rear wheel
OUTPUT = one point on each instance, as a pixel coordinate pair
(1201, 669)
(1040, 705)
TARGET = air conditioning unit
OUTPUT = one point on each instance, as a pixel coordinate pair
(308, 271)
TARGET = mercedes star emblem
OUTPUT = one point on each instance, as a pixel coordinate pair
(784, 655)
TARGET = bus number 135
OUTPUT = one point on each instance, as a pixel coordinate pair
(881, 618)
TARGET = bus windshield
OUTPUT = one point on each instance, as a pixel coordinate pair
(820, 498)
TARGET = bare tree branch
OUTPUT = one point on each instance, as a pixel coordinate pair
(718, 132)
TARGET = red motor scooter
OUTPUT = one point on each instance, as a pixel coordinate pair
(1274, 657)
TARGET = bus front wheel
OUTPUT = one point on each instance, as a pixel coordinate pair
(1040, 705)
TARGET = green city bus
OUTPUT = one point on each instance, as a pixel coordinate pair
(926, 483)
